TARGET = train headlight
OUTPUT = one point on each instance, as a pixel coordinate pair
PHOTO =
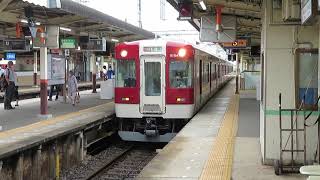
(181, 99)
(125, 99)
(124, 53)
(182, 52)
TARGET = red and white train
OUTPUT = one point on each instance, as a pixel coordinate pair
(160, 85)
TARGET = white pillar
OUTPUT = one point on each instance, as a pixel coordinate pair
(44, 83)
(237, 73)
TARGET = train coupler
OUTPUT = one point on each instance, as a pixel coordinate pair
(151, 129)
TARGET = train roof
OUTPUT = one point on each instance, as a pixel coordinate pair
(176, 43)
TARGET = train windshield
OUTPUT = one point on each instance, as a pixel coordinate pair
(180, 74)
(126, 73)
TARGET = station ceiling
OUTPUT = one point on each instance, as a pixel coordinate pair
(81, 19)
(248, 13)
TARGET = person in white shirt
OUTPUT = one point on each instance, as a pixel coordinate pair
(104, 71)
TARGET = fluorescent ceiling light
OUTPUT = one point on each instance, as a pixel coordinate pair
(23, 20)
(203, 6)
(65, 29)
(114, 40)
(26, 22)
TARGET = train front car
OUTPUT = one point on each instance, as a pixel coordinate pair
(154, 89)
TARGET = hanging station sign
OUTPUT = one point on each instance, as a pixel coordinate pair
(240, 43)
(67, 43)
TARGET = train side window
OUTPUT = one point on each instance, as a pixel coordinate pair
(126, 73)
(180, 74)
(200, 76)
(215, 72)
(208, 73)
(306, 78)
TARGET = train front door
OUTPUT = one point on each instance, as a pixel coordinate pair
(152, 87)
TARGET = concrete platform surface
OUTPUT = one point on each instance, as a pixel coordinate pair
(33, 130)
(185, 156)
(249, 118)
(28, 110)
(247, 163)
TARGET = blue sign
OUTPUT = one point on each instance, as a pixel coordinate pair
(10, 56)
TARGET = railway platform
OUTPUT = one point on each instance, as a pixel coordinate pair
(33, 147)
(220, 142)
(24, 135)
(27, 111)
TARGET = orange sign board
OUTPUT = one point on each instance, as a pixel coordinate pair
(241, 43)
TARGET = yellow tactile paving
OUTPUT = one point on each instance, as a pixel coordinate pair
(51, 121)
(219, 163)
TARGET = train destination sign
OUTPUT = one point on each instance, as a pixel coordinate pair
(152, 49)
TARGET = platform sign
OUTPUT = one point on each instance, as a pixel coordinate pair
(16, 45)
(240, 43)
(11, 56)
(67, 43)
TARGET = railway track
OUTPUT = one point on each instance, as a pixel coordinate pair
(122, 160)
(126, 165)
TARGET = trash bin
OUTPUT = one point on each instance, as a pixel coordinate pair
(107, 89)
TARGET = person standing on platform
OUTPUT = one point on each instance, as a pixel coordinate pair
(110, 73)
(53, 88)
(10, 86)
(72, 87)
(104, 72)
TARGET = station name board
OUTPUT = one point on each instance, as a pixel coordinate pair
(67, 43)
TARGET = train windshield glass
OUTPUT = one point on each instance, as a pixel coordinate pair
(126, 73)
(180, 74)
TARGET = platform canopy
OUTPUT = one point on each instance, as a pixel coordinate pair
(248, 13)
(82, 20)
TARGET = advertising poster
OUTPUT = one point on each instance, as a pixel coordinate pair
(56, 69)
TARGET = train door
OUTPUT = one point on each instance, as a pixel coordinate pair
(152, 85)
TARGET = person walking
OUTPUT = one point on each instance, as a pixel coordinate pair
(10, 86)
(72, 87)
